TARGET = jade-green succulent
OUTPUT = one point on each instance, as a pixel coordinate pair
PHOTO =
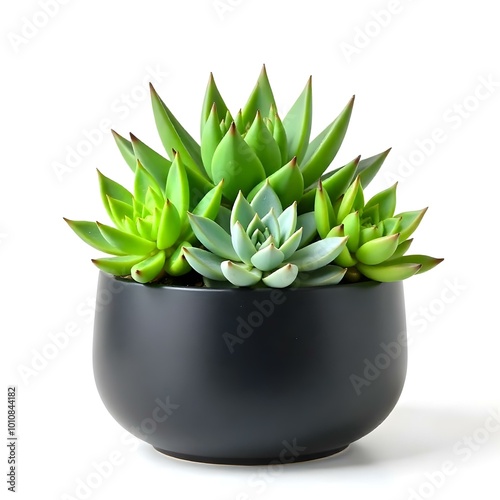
(250, 203)
(265, 244)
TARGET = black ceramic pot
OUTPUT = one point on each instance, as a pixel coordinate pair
(240, 376)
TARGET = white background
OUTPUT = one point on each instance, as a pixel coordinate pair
(419, 69)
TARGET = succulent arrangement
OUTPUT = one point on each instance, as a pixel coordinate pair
(251, 204)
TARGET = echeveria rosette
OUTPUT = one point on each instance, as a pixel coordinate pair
(265, 245)
(151, 225)
(377, 239)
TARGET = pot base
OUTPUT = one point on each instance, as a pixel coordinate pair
(249, 461)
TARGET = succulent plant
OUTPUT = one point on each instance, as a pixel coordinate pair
(377, 239)
(151, 225)
(265, 244)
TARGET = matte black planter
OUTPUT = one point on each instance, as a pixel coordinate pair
(249, 376)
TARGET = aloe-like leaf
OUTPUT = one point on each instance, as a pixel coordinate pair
(157, 165)
(126, 149)
(391, 225)
(90, 234)
(143, 181)
(205, 263)
(367, 234)
(119, 210)
(336, 231)
(144, 228)
(266, 199)
(425, 261)
(371, 215)
(260, 99)
(386, 200)
(323, 211)
(279, 134)
(255, 225)
(288, 221)
(170, 226)
(148, 269)
(236, 163)
(155, 225)
(130, 226)
(325, 146)
(223, 218)
(213, 237)
(263, 144)
(125, 242)
(345, 258)
(317, 254)
(177, 189)
(238, 121)
(240, 274)
(308, 224)
(111, 189)
(210, 139)
(268, 258)
(297, 124)
(369, 167)
(359, 200)
(270, 221)
(282, 277)
(242, 211)
(291, 244)
(176, 264)
(352, 228)
(174, 136)
(153, 200)
(388, 272)
(212, 97)
(118, 266)
(402, 248)
(328, 275)
(347, 202)
(409, 222)
(378, 250)
(242, 243)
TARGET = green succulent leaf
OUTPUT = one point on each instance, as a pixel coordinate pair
(242, 211)
(368, 234)
(205, 263)
(317, 254)
(240, 274)
(378, 250)
(297, 124)
(345, 258)
(402, 248)
(148, 269)
(212, 97)
(371, 216)
(265, 200)
(282, 277)
(386, 201)
(268, 258)
(255, 225)
(143, 181)
(119, 210)
(210, 139)
(325, 146)
(328, 275)
(352, 228)
(308, 224)
(157, 165)
(176, 264)
(425, 261)
(279, 134)
(210, 204)
(144, 228)
(177, 189)
(291, 244)
(264, 146)
(288, 221)
(323, 211)
(261, 99)
(388, 272)
(170, 226)
(118, 266)
(270, 221)
(111, 189)
(125, 242)
(409, 222)
(369, 167)
(236, 163)
(126, 149)
(391, 225)
(242, 243)
(348, 200)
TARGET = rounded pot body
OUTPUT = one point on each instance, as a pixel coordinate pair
(249, 376)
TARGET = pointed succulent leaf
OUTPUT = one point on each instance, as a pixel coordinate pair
(324, 148)
(170, 226)
(174, 136)
(125, 242)
(223, 218)
(148, 269)
(271, 222)
(212, 97)
(240, 274)
(260, 99)
(205, 263)
(391, 225)
(155, 222)
(368, 168)
(242, 243)
(308, 224)
(255, 225)
(388, 271)
(238, 121)
(297, 124)
(144, 228)
(177, 189)
(112, 189)
(130, 226)
(228, 119)
(242, 211)
(409, 222)
(367, 234)
(347, 202)
(378, 250)
(371, 215)
(119, 210)
(143, 180)
(153, 200)
(282, 277)
(118, 266)
(236, 163)
(210, 139)
(176, 264)
(264, 146)
(328, 275)
(213, 237)
(157, 165)
(402, 248)
(291, 244)
(279, 134)
(288, 221)
(386, 200)
(345, 258)
(425, 261)
(317, 254)
(265, 200)
(359, 200)
(90, 234)
(126, 149)
(352, 228)
(323, 211)
(268, 258)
